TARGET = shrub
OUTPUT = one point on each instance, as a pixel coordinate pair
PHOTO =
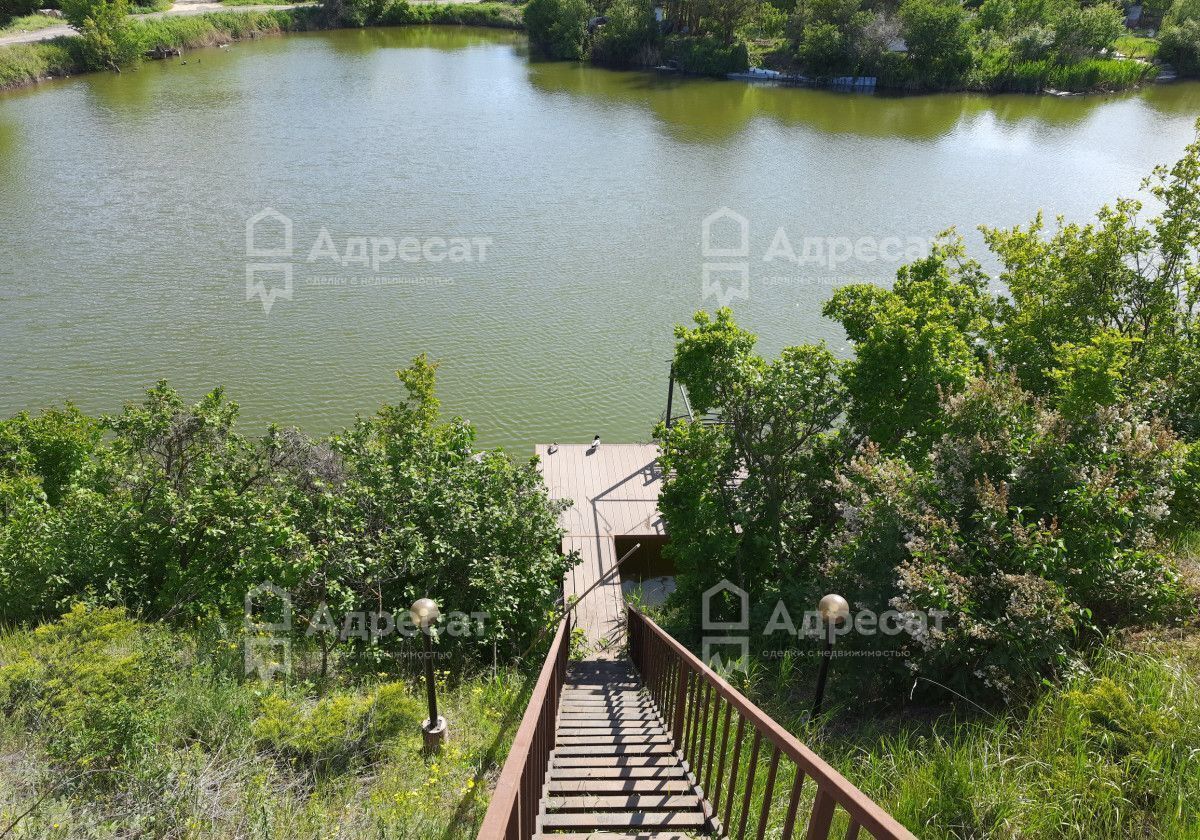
(628, 38)
(1179, 46)
(939, 40)
(1083, 31)
(178, 515)
(706, 56)
(558, 28)
(22, 64)
(320, 736)
(109, 42)
(89, 683)
(823, 50)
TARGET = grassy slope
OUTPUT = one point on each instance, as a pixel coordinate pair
(210, 771)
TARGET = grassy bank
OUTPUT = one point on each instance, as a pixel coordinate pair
(24, 64)
(128, 728)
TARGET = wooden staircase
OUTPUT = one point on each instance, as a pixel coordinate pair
(614, 773)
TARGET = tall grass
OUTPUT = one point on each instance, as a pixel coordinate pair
(1113, 753)
(224, 757)
(23, 64)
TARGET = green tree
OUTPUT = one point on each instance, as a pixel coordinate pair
(723, 18)
(938, 34)
(628, 36)
(749, 495)
(1179, 46)
(558, 28)
(109, 42)
(913, 344)
(1084, 31)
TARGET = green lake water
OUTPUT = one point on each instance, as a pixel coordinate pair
(581, 193)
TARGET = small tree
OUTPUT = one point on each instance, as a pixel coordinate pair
(939, 39)
(558, 28)
(108, 39)
(723, 18)
(623, 41)
(1081, 32)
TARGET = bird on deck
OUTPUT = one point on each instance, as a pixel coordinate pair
(595, 443)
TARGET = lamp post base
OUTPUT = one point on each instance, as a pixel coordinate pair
(435, 735)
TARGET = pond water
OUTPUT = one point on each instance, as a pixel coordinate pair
(535, 227)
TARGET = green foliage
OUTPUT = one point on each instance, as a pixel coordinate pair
(177, 514)
(1084, 31)
(721, 19)
(777, 416)
(706, 56)
(106, 722)
(914, 344)
(1019, 464)
(88, 683)
(558, 28)
(1182, 11)
(496, 15)
(109, 42)
(1112, 754)
(939, 39)
(628, 38)
(1179, 46)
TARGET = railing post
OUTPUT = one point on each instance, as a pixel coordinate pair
(680, 704)
(822, 816)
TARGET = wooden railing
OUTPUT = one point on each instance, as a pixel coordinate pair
(513, 810)
(725, 739)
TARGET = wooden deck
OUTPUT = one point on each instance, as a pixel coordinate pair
(614, 490)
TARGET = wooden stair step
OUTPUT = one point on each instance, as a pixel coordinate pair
(586, 727)
(629, 786)
(619, 819)
(658, 771)
(631, 802)
(616, 739)
(614, 761)
(614, 748)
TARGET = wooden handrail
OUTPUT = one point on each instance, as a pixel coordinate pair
(512, 812)
(691, 696)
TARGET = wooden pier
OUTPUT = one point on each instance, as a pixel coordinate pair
(614, 489)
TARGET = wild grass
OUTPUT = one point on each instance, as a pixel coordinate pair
(145, 7)
(494, 15)
(23, 64)
(201, 752)
(29, 23)
(1112, 753)
(1137, 46)
(215, 28)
